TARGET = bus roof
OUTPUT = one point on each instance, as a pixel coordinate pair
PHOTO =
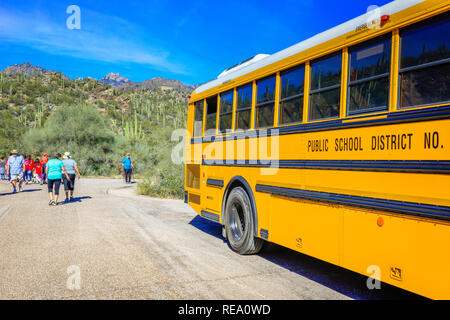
(388, 9)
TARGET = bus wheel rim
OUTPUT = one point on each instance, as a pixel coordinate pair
(237, 223)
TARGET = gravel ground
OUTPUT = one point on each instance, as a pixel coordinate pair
(112, 244)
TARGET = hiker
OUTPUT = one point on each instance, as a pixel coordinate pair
(54, 170)
(44, 160)
(127, 168)
(37, 171)
(72, 169)
(8, 175)
(15, 169)
(29, 170)
(2, 169)
(25, 158)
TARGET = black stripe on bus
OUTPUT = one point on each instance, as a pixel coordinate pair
(210, 216)
(400, 207)
(392, 118)
(214, 183)
(411, 166)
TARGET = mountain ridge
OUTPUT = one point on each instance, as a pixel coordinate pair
(113, 79)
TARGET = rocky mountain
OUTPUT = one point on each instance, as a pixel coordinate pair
(29, 69)
(113, 79)
(116, 80)
(167, 83)
(26, 68)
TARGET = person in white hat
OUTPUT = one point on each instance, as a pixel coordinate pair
(72, 170)
(15, 168)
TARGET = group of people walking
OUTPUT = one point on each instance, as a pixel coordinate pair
(61, 170)
(53, 171)
(33, 170)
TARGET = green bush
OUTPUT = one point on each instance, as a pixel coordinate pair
(166, 182)
(166, 179)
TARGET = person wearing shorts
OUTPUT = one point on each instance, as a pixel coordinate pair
(72, 170)
(15, 169)
(54, 170)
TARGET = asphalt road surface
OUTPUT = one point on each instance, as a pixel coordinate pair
(112, 244)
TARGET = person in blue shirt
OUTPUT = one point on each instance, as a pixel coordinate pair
(128, 167)
(72, 170)
(55, 170)
(15, 169)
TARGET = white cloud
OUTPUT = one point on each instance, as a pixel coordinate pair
(101, 38)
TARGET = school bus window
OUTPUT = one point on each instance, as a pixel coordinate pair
(198, 119)
(325, 93)
(425, 63)
(226, 111)
(265, 102)
(244, 107)
(211, 115)
(369, 75)
(292, 90)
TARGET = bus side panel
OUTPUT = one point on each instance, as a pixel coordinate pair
(310, 228)
(411, 254)
(214, 194)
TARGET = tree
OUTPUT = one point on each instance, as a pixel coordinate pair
(79, 129)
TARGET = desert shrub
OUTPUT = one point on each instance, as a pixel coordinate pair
(167, 181)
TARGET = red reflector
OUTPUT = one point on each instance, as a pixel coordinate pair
(380, 222)
(385, 18)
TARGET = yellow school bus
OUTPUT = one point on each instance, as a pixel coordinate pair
(337, 147)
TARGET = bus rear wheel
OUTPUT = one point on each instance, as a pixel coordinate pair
(239, 223)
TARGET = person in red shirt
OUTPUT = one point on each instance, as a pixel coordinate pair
(44, 161)
(29, 169)
(25, 172)
(37, 170)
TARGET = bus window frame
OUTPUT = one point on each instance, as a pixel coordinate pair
(300, 95)
(205, 119)
(330, 88)
(265, 103)
(423, 66)
(250, 108)
(219, 130)
(380, 109)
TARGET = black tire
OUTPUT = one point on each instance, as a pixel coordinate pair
(239, 224)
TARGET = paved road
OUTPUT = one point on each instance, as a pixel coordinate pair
(133, 247)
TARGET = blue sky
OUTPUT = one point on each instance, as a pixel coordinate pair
(192, 41)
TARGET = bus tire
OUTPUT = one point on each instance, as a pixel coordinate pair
(239, 224)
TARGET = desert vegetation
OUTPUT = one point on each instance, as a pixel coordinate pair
(97, 123)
